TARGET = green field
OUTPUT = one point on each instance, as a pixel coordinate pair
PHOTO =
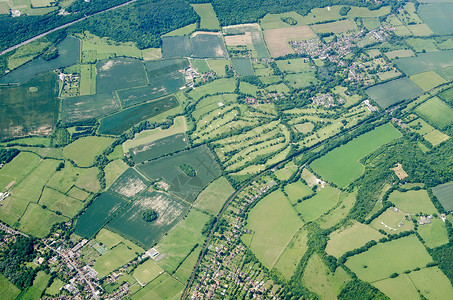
(57, 201)
(207, 15)
(176, 246)
(97, 214)
(212, 198)
(129, 222)
(432, 283)
(200, 65)
(274, 223)
(54, 288)
(165, 146)
(398, 288)
(163, 287)
(176, 46)
(427, 80)
(38, 287)
(185, 270)
(147, 271)
(382, 260)
(349, 238)
(317, 278)
(35, 214)
(295, 65)
(342, 166)
(338, 213)
(114, 170)
(392, 221)
(129, 184)
(319, 204)
(167, 168)
(105, 47)
(438, 17)
(436, 111)
(413, 202)
(256, 34)
(422, 45)
(287, 262)
(392, 92)
(436, 137)
(108, 238)
(87, 80)
(29, 108)
(446, 95)
(68, 50)
(434, 234)
(444, 193)
(122, 121)
(273, 21)
(424, 62)
(113, 259)
(8, 291)
(70, 177)
(17, 169)
(243, 66)
(84, 150)
(297, 191)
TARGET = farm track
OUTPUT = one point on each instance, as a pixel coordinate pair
(247, 183)
(62, 26)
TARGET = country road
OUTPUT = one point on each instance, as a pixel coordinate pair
(61, 27)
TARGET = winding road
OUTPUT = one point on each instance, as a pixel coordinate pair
(61, 27)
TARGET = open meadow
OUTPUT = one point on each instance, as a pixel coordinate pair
(273, 228)
(392, 92)
(342, 166)
(384, 259)
(436, 112)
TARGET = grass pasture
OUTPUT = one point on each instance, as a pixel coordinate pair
(108, 238)
(87, 80)
(294, 65)
(436, 137)
(297, 190)
(246, 33)
(273, 21)
(14, 171)
(39, 285)
(200, 65)
(165, 146)
(27, 52)
(54, 288)
(413, 202)
(277, 39)
(118, 123)
(398, 288)
(147, 271)
(392, 221)
(392, 92)
(436, 112)
(8, 291)
(274, 223)
(35, 214)
(207, 15)
(319, 204)
(29, 108)
(57, 201)
(427, 80)
(97, 214)
(70, 178)
(444, 193)
(84, 150)
(319, 279)
(184, 271)
(288, 261)
(167, 168)
(432, 283)
(218, 66)
(349, 238)
(382, 260)
(129, 222)
(342, 166)
(212, 198)
(105, 47)
(180, 241)
(162, 288)
(434, 234)
(113, 259)
(399, 54)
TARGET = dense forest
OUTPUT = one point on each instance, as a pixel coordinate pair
(19, 29)
(142, 22)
